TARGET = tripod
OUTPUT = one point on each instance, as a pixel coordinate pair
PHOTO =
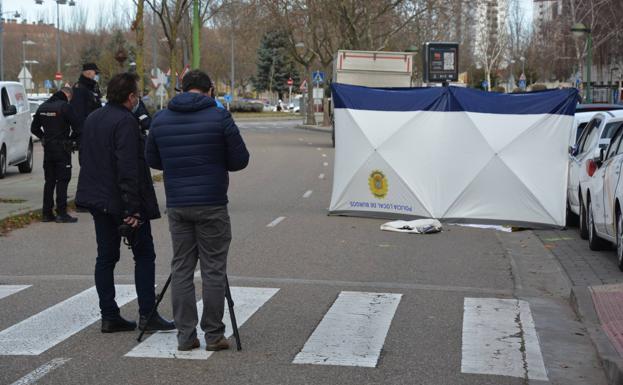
(230, 305)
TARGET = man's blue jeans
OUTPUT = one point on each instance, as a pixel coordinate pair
(108, 254)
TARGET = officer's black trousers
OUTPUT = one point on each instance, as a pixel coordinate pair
(57, 171)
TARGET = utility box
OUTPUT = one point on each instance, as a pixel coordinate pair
(373, 68)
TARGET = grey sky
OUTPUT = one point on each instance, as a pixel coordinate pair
(109, 12)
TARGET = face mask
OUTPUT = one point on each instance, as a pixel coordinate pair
(135, 108)
(96, 78)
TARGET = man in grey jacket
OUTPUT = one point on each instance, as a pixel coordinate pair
(197, 144)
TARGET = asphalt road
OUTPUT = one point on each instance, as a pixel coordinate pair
(429, 336)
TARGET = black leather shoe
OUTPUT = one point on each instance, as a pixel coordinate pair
(66, 218)
(156, 323)
(48, 218)
(119, 324)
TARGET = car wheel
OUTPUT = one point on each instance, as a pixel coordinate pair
(620, 240)
(26, 166)
(594, 242)
(2, 162)
(582, 227)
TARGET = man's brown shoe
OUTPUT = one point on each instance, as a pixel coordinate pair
(192, 346)
(221, 344)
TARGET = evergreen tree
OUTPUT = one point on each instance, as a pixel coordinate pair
(274, 66)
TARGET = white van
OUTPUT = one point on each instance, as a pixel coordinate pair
(15, 119)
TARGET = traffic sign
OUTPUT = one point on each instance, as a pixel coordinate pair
(290, 82)
(48, 84)
(58, 76)
(318, 77)
(161, 91)
(303, 86)
(522, 83)
(227, 98)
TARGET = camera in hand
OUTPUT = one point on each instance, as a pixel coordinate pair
(128, 233)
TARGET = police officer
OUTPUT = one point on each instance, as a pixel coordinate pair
(61, 131)
(87, 96)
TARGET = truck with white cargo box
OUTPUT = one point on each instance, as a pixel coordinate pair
(373, 69)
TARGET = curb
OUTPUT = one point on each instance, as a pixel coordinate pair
(314, 128)
(582, 302)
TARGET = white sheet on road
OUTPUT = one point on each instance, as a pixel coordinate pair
(453, 154)
(46, 329)
(353, 331)
(247, 300)
(418, 226)
(499, 337)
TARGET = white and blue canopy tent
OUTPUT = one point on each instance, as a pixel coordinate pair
(455, 154)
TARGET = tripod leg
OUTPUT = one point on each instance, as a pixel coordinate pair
(153, 310)
(230, 305)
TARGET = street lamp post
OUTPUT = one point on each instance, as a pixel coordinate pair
(24, 44)
(71, 3)
(612, 95)
(580, 30)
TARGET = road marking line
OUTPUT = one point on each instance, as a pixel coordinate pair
(310, 143)
(324, 155)
(7, 290)
(318, 148)
(352, 332)
(325, 164)
(48, 328)
(41, 371)
(307, 194)
(248, 300)
(321, 176)
(275, 222)
(300, 139)
(499, 338)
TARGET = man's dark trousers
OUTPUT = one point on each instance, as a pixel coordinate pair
(108, 254)
(200, 233)
(57, 173)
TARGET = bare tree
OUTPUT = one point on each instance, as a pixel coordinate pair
(491, 41)
(170, 13)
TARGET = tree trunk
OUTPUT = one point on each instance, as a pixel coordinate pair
(311, 118)
(173, 67)
(140, 37)
(488, 75)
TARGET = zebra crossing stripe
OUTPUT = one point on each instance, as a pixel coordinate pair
(352, 332)
(247, 301)
(48, 328)
(41, 371)
(7, 290)
(499, 338)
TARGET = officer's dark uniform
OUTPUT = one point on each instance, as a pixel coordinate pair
(61, 127)
(87, 96)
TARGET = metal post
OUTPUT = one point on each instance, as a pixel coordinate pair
(58, 41)
(23, 63)
(196, 36)
(232, 51)
(1, 44)
(589, 59)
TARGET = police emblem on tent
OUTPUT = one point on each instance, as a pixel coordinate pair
(378, 184)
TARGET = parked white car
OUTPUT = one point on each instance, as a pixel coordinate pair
(597, 133)
(15, 139)
(604, 195)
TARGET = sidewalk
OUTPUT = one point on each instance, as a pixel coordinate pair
(597, 293)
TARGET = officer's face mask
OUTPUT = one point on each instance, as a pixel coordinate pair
(96, 77)
(135, 107)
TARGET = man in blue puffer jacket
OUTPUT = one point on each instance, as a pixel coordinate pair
(197, 144)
